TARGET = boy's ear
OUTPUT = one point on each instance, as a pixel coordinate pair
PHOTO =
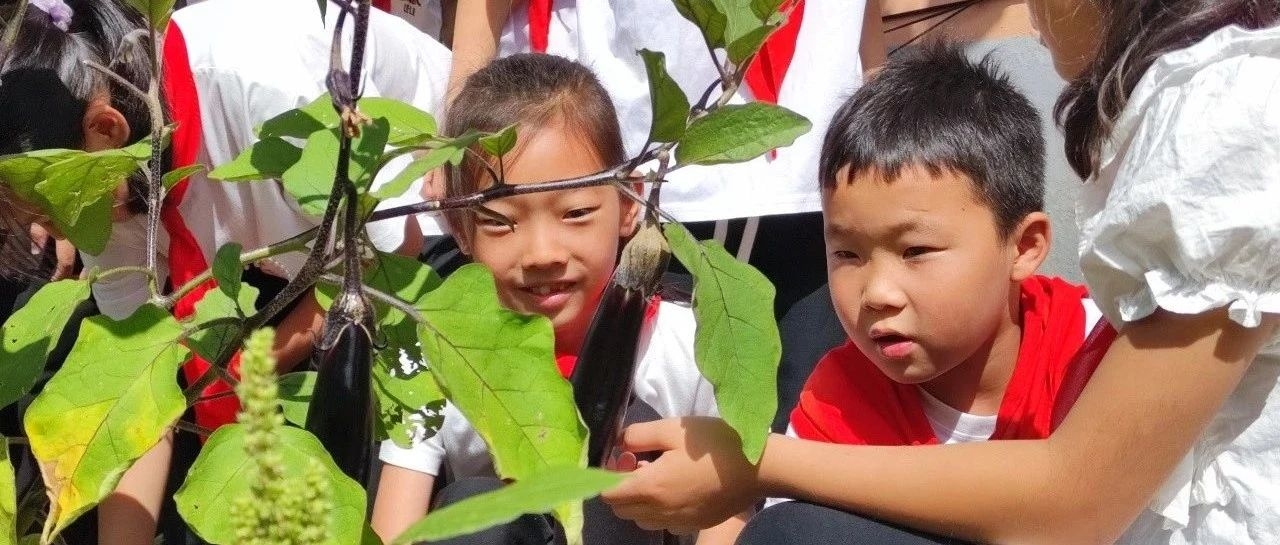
(104, 126)
(1030, 241)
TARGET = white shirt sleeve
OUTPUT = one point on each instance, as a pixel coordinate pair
(425, 456)
(1184, 214)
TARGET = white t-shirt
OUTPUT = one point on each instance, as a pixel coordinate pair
(825, 70)
(667, 379)
(252, 60)
(1185, 216)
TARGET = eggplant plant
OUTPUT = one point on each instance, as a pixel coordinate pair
(397, 341)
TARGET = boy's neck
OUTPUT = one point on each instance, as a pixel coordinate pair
(977, 385)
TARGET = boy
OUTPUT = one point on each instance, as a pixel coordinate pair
(932, 186)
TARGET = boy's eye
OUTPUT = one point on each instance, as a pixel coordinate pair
(917, 251)
(845, 255)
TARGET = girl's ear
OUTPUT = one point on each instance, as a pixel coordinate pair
(1030, 242)
(630, 212)
(104, 126)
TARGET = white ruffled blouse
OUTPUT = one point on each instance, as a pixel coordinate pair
(1184, 215)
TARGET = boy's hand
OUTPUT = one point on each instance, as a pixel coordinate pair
(700, 480)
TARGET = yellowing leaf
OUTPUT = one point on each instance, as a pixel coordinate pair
(113, 400)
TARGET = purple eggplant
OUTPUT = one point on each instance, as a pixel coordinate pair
(602, 378)
(342, 408)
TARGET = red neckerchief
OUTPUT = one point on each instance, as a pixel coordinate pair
(186, 260)
(848, 400)
(566, 361)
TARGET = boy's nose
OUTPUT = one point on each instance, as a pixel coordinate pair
(882, 292)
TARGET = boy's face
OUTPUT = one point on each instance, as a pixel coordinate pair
(920, 277)
(562, 251)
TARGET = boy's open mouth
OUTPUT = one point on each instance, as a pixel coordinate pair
(893, 345)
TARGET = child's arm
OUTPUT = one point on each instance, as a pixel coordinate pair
(1162, 381)
(725, 533)
(129, 515)
(872, 51)
(404, 495)
(477, 25)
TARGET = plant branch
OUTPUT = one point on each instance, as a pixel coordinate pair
(193, 428)
(295, 243)
(613, 175)
(374, 293)
(126, 84)
(99, 275)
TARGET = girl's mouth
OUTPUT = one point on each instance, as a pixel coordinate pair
(550, 297)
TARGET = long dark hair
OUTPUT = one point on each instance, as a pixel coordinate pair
(1134, 34)
(45, 89)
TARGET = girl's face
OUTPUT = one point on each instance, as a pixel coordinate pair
(562, 251)
(1069, 28)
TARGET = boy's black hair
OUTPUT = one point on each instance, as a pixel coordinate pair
(935, 108)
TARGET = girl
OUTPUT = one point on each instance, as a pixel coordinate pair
(764, 210)
(556, 263)
(1173, 116)
(224, 73)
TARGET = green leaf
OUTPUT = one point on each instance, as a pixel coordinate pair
(744, 31)
(670, 105)
(295, 395)
(22, 171)
(408, 124)
(227, 269)
(31, 333)
(366, 152)
(414, 172)
(736, 345)
(78, 192)
(746, 45)
(8, 496)
(707, 16)
(310, 179)
(498, 368)
(266, 159)
(156, 11)
(221, 474)
(733, 134)
(113, 400)
(172, 177)
(301, 122)
(537, 493)
(765, 9)
(410, 404)
(499, 143)
(217, 322)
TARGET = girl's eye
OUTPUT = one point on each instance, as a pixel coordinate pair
(845, 255)
(490, 223)
(579, 213)
(917, 251)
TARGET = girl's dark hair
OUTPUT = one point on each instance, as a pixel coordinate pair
(529, 90)
(1134, 34)
(46, 86)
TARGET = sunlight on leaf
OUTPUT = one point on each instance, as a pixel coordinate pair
(736, 345)
(99, 414)
(738, 133)
(538, 493)
(670, 105)
(31, 333)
